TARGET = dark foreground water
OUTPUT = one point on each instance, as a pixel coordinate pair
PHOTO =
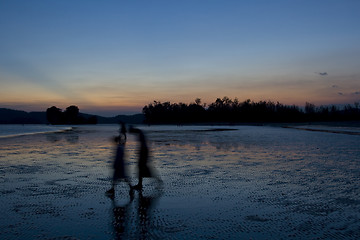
(243, 182)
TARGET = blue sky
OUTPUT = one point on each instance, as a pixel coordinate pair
(111, 57)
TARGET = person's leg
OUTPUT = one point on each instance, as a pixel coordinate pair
(131, 189)
(159, 181)
(139, 185)
(128, 182)
(110, 193)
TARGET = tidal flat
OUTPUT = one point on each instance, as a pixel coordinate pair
(220, 182)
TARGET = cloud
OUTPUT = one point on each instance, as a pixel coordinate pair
(356, 93)
(322, 73)
(335, 86)
(340, 93)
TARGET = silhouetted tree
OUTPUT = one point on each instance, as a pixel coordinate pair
(70, 116)
(309, 108)
(54, 115)
(227, 110)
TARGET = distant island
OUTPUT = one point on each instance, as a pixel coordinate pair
(230, 111)
(71, 115)
(11, 116)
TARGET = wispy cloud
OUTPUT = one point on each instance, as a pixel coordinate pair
(322, 73)
(356, 93)
(340, 93)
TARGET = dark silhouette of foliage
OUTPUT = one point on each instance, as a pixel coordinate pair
(226, 110)
(70, 116)
(54, 115)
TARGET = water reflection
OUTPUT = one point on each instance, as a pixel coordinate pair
(281, 183)
(221, 139)
(71, 137)
(145, 207)
(134, 218)
(121, 213)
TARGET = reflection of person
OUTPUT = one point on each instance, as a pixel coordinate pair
(121, 219)
(133, 219)
(119, 165)
(119, 223)
(145, 207)
(143, 169)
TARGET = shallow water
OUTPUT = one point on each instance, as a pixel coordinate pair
(242, 182)
(14, 130)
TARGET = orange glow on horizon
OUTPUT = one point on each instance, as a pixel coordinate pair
(129, 98)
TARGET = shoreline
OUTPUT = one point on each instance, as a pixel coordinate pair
(342, 127)
(29, 132)
(274, 124)
(330, 123)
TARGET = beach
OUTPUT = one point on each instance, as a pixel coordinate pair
(220, 182)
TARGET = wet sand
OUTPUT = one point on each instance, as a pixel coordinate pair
(255, 182)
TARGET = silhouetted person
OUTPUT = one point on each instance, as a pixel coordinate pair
(143, 169)
(119, 165)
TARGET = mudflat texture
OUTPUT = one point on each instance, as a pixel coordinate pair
(242, 182)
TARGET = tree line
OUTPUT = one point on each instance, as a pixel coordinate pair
(71, 115)
(226, 110)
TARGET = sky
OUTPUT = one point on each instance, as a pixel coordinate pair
(114, 57)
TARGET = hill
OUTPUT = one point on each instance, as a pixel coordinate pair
(11, 116)
(134, 119)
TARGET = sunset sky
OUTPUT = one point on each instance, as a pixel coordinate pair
(114, 57)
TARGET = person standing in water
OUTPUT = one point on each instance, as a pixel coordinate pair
(119, 165)
(143, 169)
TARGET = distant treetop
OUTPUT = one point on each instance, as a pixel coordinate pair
(70, 116)
(226, 110)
